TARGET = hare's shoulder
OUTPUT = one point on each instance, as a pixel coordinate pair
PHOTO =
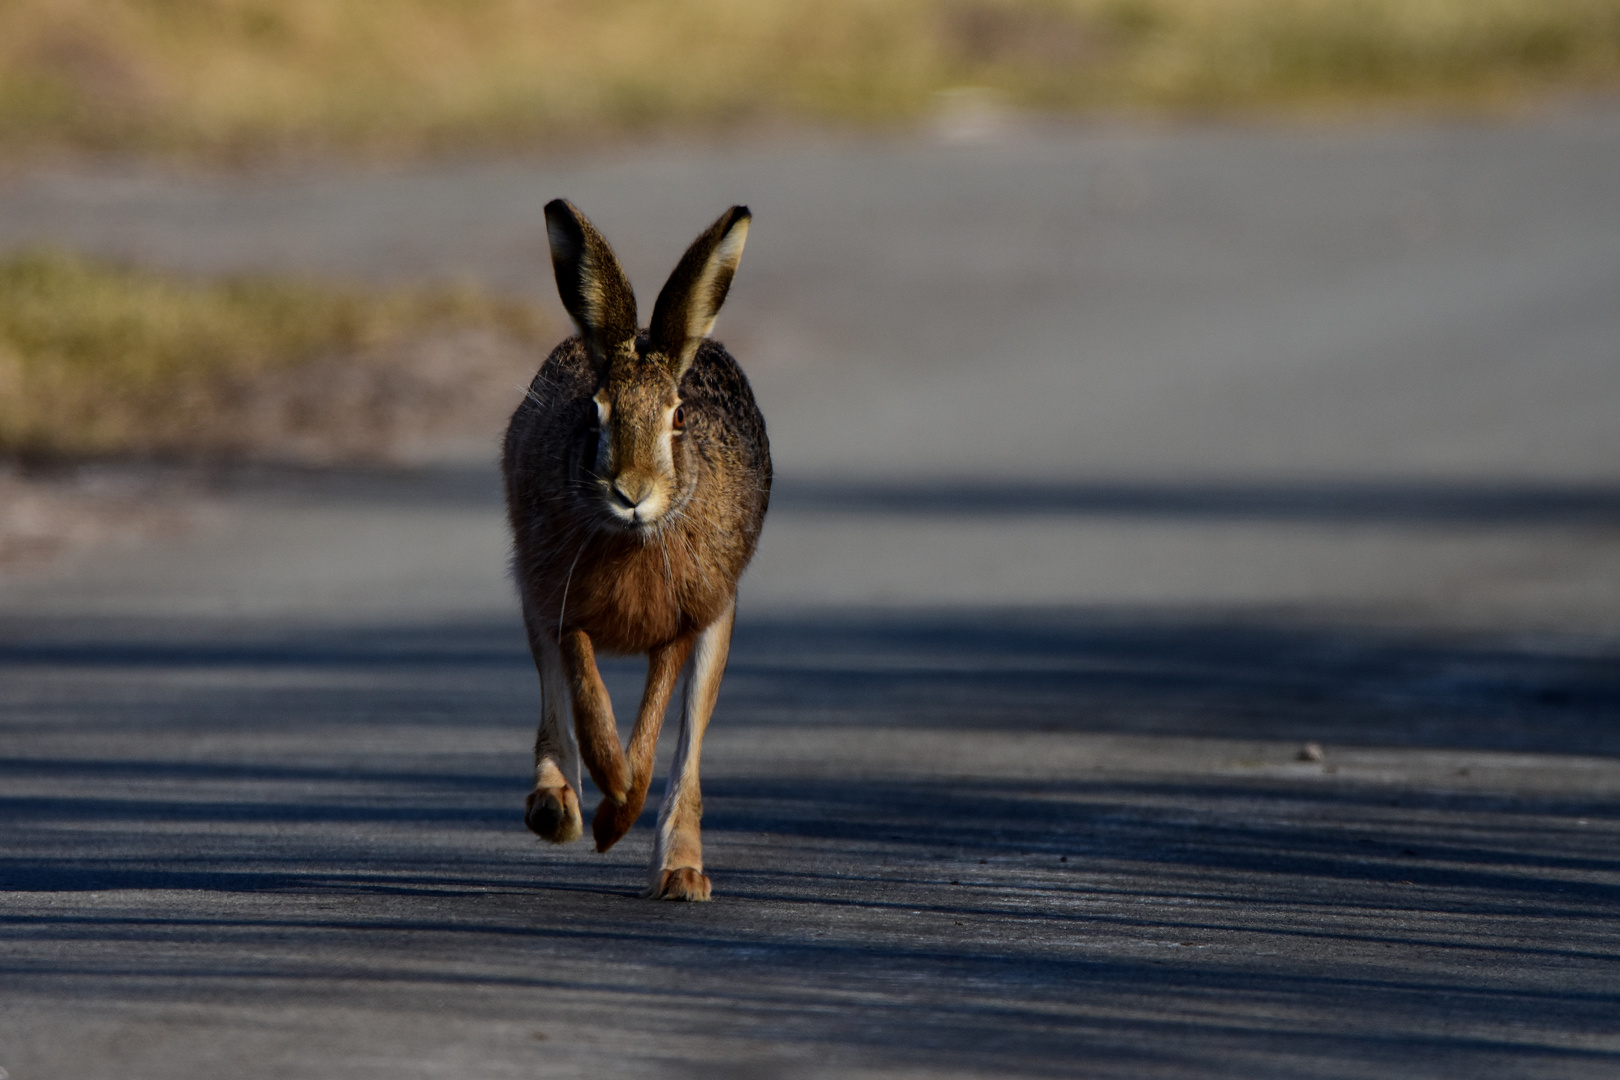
(554, 405)
(564, 377)
(716, 377)
(718, 384)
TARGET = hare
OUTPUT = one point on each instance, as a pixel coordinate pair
(637, 477)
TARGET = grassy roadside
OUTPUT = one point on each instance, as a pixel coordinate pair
(98, 360)
(217, 78)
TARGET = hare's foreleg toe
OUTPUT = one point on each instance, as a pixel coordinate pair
(552, 813)
(614, 819)
(681, 883)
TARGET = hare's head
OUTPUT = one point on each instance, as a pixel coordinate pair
(641, 468)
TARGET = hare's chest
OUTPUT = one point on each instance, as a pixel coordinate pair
(648, 596)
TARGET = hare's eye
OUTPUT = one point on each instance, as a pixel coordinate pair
(679, 421)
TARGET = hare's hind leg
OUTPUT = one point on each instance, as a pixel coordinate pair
(676, 870)
(552, 808)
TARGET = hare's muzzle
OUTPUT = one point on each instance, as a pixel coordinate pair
(636, 498)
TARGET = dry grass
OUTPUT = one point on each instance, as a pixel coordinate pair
(224, 77)
(98, 360)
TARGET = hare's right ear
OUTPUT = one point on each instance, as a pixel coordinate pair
(592, 284)
(691, 298)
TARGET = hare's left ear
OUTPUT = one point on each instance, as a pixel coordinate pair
(692, 296)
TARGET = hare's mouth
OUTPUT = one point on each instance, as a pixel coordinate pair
(641, 515)
(646, 518)
(634, 521)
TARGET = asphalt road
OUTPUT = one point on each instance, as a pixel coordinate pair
(1115, 467)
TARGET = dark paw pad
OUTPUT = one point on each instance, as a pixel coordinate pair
(553, 814)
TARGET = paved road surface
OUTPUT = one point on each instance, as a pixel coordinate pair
(1115, 467)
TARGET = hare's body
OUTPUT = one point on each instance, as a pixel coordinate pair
(637, 479)
(633, 593)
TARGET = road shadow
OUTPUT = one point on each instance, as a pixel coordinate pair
(1099, 672)
(1266, 920)
(1082, 671)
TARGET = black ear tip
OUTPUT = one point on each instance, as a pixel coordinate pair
(563, 229)
(561, 211)
(741, 213)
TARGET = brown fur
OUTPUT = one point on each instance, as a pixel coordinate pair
(630, 535)
(613, 819)
(683, 883)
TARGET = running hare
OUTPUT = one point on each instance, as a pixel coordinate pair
(637, 476)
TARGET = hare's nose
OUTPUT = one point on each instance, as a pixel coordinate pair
(633, 488)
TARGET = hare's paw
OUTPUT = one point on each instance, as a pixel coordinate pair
(681, 883)
(614, 819)
(552, 813)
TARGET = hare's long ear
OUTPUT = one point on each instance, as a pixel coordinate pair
(591, 282)
(692, 296)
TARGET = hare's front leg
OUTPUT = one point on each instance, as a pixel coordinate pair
(664, 665)
(552, 809)
(593, 717)
(676, 870)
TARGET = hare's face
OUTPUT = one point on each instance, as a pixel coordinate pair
(640, 466)
(638, 473)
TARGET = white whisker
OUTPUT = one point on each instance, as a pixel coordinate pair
(562, 609)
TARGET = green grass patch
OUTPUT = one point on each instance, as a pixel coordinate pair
(98, 359)
(228, 77)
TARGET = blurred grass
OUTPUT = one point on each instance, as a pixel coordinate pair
(230, 77)
(98, 360)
